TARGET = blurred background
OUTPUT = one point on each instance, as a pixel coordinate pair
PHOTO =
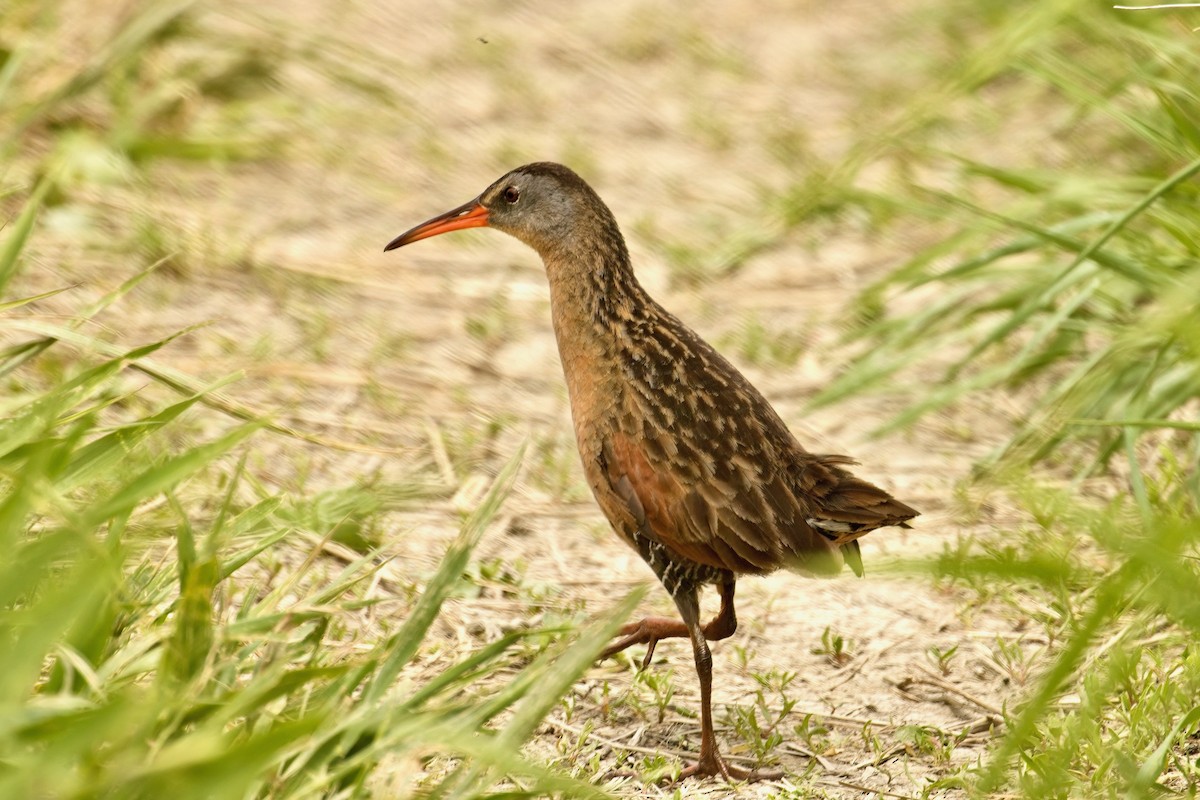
(262, 538)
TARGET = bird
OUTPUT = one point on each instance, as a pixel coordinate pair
(689, 462)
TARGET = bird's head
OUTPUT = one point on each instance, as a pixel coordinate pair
(545, 205)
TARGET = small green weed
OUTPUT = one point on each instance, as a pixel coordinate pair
(835, 647)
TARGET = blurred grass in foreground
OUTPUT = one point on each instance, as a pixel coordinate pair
(152, 641)
(1071, 280)
(145, 653)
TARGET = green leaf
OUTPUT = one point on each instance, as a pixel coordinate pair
(11, 304)
(402, 645)
(1147, 776)
(10, 251)
(166, 475)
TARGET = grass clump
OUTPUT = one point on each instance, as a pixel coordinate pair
(151, 650)
(1068, 282)
(154, 645)
(1072, 283)
(169, 625)
(1110, 712)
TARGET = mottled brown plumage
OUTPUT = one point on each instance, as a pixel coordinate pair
(690, 464)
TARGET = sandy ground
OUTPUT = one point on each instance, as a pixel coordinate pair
(441, 355)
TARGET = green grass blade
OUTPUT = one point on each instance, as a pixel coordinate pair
(188, 385)
(127, 286)
(99, 457)
(1108, 598)
(33, 630)
(11, 304)
(557, 671)
(1147, 776)
(1181, 425)
(537, 690)
(402, 645)
(130, 40)
(203, 767)
(1181, 176)
(191, 641)
(14, 243)
(163, 477)
(13, 357)
(465, 670)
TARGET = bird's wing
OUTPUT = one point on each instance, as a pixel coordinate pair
(842, 506)
(737, 514)
(735, 517)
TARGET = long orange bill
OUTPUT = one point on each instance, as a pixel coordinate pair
(468, 215)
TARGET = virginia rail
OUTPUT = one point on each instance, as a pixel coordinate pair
(691, 465)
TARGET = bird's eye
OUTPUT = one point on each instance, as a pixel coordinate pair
(511, 195)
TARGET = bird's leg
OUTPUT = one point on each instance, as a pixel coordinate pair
(649, 630)
(710, 761)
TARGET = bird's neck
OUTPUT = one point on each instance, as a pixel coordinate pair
(593, 295)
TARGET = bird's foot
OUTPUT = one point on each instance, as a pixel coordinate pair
(712, 764)
(646, 631)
